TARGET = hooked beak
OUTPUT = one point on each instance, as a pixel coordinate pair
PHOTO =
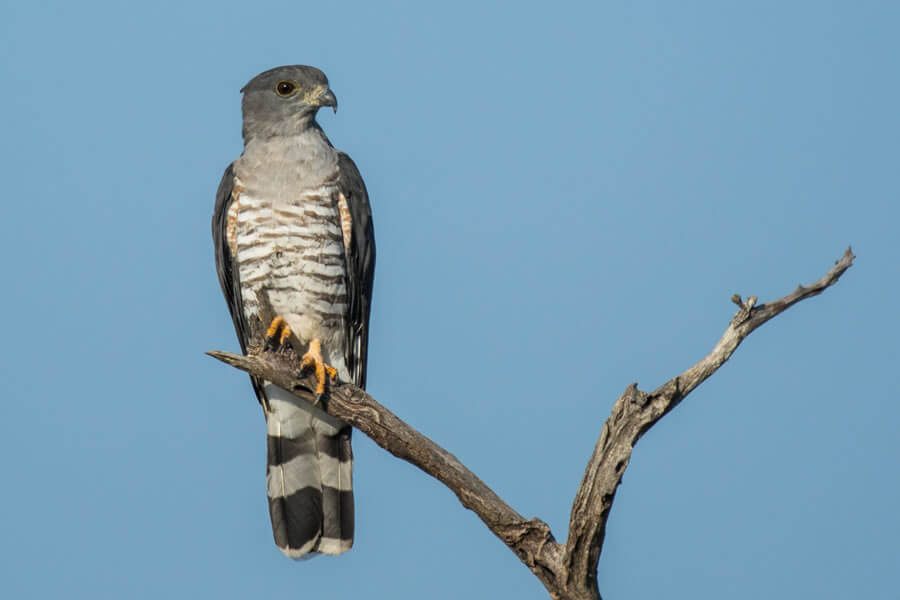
(327, 98)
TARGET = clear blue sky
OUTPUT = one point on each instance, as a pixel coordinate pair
(566, 195)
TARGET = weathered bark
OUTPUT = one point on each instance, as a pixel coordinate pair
(568, 571)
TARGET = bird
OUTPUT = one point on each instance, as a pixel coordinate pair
(293, 235)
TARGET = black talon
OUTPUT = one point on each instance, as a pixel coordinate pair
(272, 344)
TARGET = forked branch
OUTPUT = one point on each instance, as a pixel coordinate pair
(568, 571)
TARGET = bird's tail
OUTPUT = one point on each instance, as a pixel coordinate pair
(309, 477)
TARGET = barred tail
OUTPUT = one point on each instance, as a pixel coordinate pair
(309, 477)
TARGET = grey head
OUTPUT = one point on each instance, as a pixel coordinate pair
(284, 101)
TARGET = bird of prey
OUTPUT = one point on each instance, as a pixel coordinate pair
(292, 230)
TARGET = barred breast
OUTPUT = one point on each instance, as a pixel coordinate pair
(289, 242)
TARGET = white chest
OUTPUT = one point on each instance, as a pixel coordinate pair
(292, 248)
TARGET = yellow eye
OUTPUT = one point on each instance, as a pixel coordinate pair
(285, 88)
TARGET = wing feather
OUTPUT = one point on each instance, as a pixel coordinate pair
(360, 259)
(227, 267)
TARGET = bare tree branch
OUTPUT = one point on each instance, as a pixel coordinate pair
(635, 412)
(568, 571)
(530, 539)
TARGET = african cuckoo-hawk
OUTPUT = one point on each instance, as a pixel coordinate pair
(293, 236)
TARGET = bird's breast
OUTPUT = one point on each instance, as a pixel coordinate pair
(290, 244)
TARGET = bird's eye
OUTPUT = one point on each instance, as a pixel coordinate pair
(285, 88)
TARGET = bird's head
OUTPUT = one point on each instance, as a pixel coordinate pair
(284, 100)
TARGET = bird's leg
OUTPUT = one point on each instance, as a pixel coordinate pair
(313, 358)
(278, 334)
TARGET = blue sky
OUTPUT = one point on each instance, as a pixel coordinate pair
(566, 195)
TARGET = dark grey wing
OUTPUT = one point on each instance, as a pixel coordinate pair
(360, 258)
(227, 268)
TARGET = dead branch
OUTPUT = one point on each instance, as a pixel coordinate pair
(568, 571)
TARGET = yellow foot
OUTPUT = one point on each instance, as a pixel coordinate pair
(313, 358)
(278, 330)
